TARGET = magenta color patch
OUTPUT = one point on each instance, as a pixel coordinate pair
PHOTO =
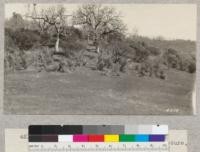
(80, 138)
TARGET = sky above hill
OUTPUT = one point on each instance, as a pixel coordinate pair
(171, 21)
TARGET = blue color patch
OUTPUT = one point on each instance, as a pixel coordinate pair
(141, 138)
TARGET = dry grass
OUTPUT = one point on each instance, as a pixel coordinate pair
(88, 92)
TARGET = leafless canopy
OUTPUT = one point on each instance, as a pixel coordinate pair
(52, 17)
(99, 20)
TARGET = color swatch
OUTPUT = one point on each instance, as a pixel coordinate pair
(97, 129)
(111, 138)
(92, 133)
(97, 138)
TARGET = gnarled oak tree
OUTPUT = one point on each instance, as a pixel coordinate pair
(98, 21)
(52, 20)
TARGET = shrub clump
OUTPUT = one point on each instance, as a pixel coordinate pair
(152, 67)
(178, 61)
(15, 59)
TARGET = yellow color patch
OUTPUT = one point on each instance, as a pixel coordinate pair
(111, 138)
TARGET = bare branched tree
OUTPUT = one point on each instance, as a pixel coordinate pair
(99, 21)
(52, 17)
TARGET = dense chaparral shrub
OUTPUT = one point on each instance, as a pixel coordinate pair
(115, 49)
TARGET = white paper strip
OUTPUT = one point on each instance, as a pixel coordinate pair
(16, 140)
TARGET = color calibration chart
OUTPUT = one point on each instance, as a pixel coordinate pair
(98, 138)
(91, 138)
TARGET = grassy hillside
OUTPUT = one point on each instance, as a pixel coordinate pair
(88, 92)
(54, 68)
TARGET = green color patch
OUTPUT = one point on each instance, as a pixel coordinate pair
(126, 138)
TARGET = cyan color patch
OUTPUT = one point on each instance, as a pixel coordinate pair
(141, 138)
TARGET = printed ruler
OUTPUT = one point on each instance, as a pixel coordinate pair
(103, 147)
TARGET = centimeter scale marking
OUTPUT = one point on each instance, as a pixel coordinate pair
(103, 147)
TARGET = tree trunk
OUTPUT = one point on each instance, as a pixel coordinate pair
(96, 43)
(98, 49)
(57, 42)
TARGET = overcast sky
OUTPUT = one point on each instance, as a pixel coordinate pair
(171, 21)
